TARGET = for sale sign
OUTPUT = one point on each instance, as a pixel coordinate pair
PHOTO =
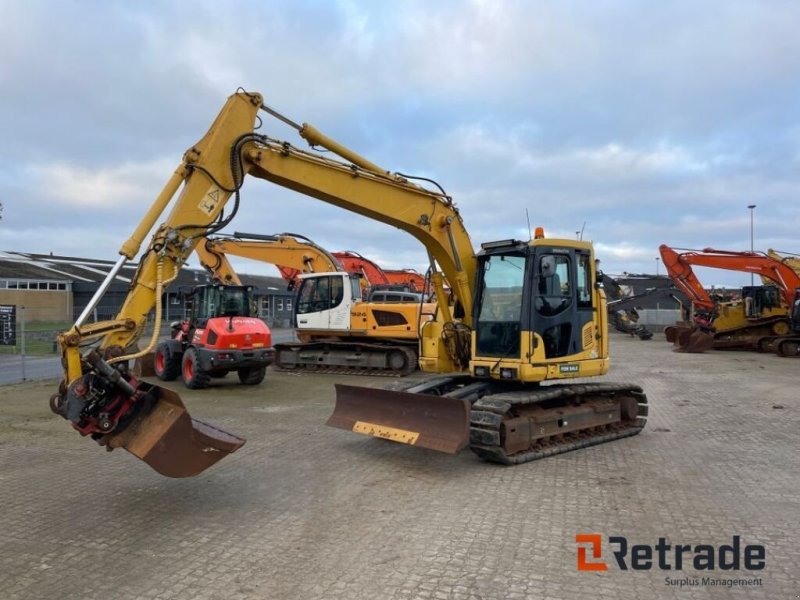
(8, 325)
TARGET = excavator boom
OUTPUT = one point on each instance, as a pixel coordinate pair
(98, 394)
(291, 253)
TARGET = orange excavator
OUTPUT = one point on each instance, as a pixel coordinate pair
(764, 317)
(353, 262)
(408, 278)
(517, 314)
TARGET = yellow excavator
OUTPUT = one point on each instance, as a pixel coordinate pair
(291, 253)
(338, 330)
(789, 259)
(522, 313)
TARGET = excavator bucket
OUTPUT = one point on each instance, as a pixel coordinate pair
(694, 341)
(172, 442)
(435, 422)
(671, 333)
(144, 366)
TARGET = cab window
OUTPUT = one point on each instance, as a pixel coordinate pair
(553, 284)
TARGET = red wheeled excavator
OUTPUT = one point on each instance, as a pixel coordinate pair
(520, 322)
(766, 318)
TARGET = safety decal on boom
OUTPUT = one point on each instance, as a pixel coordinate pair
(211, 200)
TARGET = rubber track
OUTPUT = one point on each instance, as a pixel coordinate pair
(783, 346)
(411, 362)
(485, 429)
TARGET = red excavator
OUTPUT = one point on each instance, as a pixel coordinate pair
(764, 319)
(408, 278)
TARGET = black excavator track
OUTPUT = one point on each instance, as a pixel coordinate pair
(493, 416)
(359, 358)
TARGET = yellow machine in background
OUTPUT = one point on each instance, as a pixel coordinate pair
(517, 314)
(790, 260)
(338, 330)
(290, 253)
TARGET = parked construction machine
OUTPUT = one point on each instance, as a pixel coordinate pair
(762, 320)
(408, 278)
(790, 259)
(338, 331)
(291, 253)
(220, 334)
(522, 313)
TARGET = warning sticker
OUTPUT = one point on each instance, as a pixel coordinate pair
(211, 200)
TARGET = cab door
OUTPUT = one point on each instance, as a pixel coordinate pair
(324, 302)
(561, 299)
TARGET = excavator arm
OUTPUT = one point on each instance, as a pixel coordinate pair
(291, 253)
(353, 262)
(787, 258)
(98, 394)
(680, 271)
(679, 267)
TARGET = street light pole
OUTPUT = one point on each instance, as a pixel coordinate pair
(751, 207)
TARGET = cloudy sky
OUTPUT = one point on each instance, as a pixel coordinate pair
(649, 123)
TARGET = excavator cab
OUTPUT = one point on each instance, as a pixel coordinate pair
(324, 300)
(535, 304)
(759, 298)
(210, 301)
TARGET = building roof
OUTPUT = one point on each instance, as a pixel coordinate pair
(89, 271)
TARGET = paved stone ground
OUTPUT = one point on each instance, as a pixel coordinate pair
(305, 512)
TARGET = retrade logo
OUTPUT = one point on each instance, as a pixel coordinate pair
(668, 556)
(595, 542)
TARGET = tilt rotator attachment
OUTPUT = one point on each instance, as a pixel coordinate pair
(150, 422)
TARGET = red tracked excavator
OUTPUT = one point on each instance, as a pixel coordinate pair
(523, 313)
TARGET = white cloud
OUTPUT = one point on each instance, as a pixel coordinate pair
(650, 124)
(105, 189)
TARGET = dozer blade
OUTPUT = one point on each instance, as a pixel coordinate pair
(694, 341)
(436, 422)
(170, 441)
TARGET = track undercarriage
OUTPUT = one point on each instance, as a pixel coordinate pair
(344, 357)
(764, 336)
(501, 422)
